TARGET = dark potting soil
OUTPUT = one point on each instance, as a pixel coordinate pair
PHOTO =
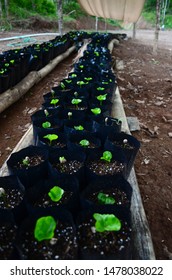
(82, 108)
(69, 167)
(11, 198)
(7, 236)
(55, 143)
(90, 146)
(103, 244)
(108, 168)
(45, 201)
(62, 246)
(119, 196)
(123, 145)
(33, 161)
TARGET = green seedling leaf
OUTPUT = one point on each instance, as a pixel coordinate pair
(105, 199)
(54, 101)
(12, 61)
(96, 111)
(88, 79)
(81, 83)
(44, 228)
(46, 124)
(102, 97)
(76, 101)
(106, 222)
(68, 81)
(51, 137)
(100, 88)
(79, 127)
(84, 143)
(62, 85)
(26, 161)
(73, 75)
(107, 156)
(62, 159)
(56, 193)
(97, 53)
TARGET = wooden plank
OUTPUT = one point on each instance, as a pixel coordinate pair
(25, 141)
(142, 240)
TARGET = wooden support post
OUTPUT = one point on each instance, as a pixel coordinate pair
(134, 30)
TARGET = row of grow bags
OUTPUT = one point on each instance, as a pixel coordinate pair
(75, 197)
(15, 64)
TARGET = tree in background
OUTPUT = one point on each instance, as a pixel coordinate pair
(165, 8)
(157, 28)
(4, 9)
(60, 15)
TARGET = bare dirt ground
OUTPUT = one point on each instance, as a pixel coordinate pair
(145, 84)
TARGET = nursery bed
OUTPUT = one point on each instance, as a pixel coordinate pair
(142, 241)
(10, 96)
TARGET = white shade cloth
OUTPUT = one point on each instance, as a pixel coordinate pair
(126, 10)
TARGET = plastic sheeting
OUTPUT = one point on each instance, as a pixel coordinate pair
(126, 10)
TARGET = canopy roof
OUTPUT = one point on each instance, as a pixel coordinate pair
(126, 10)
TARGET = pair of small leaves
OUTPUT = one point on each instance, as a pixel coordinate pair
(105, 199)
(76, 101)
(56, 193)
(101, 97)
(51, 137)
(79, 127)
(106, 222)
(107, 156)
(96, 111)
(44, 228)
(26, 161)
(54, 101)
(84, 143)
(46, 124)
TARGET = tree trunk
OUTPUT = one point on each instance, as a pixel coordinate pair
(6, 8)
(165, 4)
(134, 30)
(1, 10)
(96, 24)
(60, 16)
(33, 4)
(157, 28)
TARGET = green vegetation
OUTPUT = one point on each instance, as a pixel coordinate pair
(106, 222)
(44, 228)
(104, 198)
(24, 8)
(56, 193)
(149, 12)
(107, 156)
